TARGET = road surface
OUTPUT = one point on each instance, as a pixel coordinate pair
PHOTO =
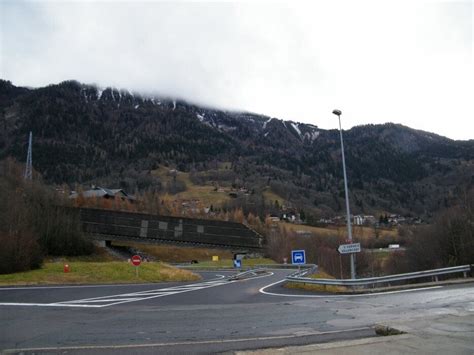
(212, 315)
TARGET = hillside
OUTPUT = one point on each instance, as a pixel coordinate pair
(84, 134)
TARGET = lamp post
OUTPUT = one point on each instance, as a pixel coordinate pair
(338, 113)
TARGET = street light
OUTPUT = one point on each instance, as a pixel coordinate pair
(338, 113)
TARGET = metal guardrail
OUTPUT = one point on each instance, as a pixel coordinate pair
(382, 279)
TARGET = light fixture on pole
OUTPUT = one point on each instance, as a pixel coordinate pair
(338, 113)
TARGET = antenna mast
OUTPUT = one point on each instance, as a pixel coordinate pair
(29, 160)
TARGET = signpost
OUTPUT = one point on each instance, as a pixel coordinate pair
(349, 248)
(298, 257)
(136, 261)
(237, 263)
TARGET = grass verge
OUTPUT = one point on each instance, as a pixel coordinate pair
(82, 272)
(175, 254)
(317, 288)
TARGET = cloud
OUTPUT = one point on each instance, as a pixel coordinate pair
(407, 62)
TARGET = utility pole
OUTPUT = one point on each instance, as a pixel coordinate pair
(338, 113)
(29, 160)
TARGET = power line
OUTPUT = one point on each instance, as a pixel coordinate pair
(29, 160)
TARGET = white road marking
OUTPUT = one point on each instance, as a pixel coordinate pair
(66, 287)
(184, 343)
(111, 300)
(262, 290)
(49, 305)
(219, 277)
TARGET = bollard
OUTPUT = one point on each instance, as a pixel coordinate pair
(66, 267)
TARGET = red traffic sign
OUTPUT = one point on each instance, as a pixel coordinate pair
(136, 260)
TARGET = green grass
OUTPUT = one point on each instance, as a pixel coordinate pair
(317, 288)
(82, 272)
(271, 197)
(203, 193)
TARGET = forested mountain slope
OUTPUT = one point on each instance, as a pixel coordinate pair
(84, 134)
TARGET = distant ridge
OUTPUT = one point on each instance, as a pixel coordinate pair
(85, 134)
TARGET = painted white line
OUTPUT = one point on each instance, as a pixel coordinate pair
(259, 277)
(199, 342)
(178, 292)
(50, 305)
(170, 290)
(262, 290)
(92, 286)
(67, 287)
(153, 293)
(101, 300)
(111, 300)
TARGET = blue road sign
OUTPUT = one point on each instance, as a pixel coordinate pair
(298, 257)
(237, 263)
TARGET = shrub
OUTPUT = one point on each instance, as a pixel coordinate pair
(33, 223)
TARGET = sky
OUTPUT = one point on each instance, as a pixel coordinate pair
(408, 62)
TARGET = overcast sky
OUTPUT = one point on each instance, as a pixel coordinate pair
(408, 62)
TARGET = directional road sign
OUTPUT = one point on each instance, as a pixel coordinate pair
(349, 248)
(136, 260)
(298, 257)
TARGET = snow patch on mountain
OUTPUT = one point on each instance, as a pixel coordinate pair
(225, 128)
(311, 135)
(295, 126)
(84, 94)
(266, 122)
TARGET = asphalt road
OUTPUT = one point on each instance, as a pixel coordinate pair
(212, 315)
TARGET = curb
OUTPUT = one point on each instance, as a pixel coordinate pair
(326, 346)
(395, 288)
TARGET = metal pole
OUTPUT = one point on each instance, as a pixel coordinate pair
(340, 265)
(349, 229)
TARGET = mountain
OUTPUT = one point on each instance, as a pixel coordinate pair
(84, 134)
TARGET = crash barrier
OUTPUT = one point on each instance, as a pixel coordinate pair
(140, 227)
(370, 281)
